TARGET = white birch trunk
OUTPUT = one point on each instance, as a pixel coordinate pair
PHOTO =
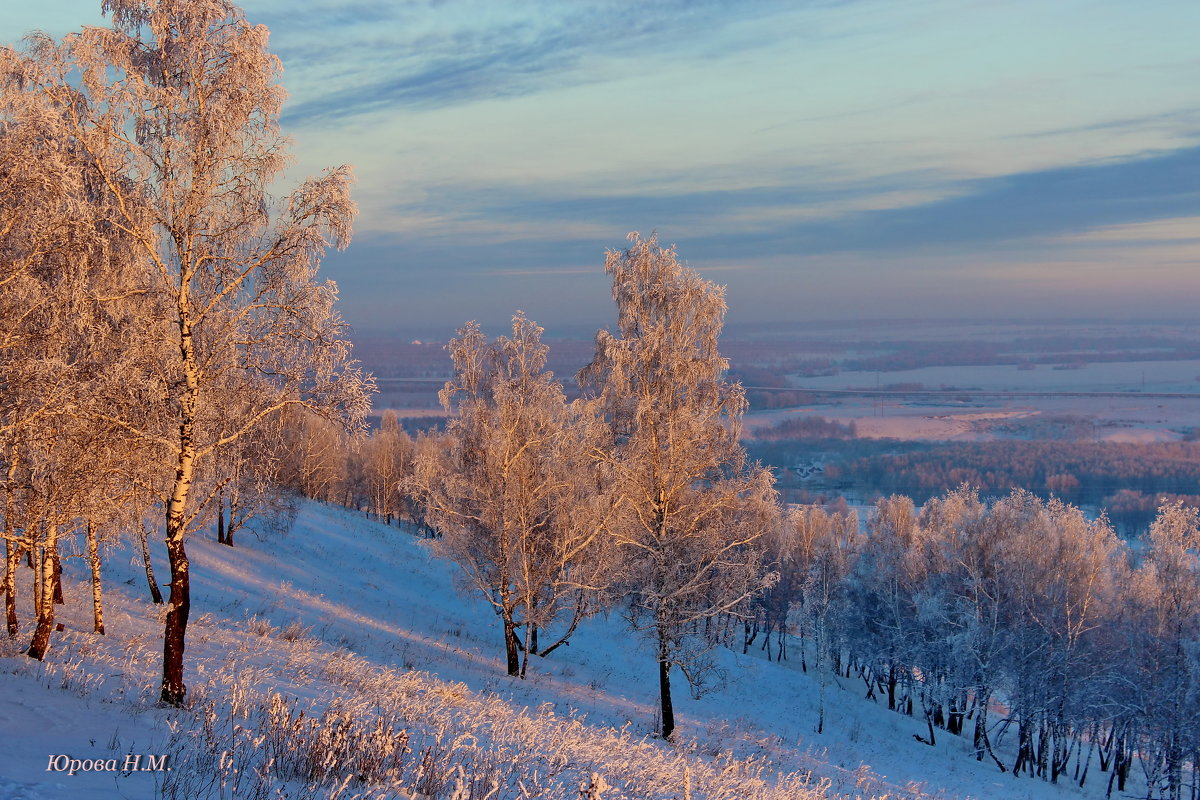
(45, 624)
(94, 562)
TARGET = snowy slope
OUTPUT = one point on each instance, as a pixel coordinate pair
(276, 613)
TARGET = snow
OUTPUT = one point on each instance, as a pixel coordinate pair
(279, 613)
(48, 710)
(1137, 415)
(1111, 376)
(1115, 419)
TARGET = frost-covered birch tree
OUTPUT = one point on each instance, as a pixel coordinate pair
(689, 523)
(514, 497)
(884, 585)
(387, 461)
(959, 612)
(69, 297)
(1166, 649)
(175, 108)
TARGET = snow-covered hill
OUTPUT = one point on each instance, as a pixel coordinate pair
(360, 626)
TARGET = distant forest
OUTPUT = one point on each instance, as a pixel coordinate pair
(1128, 480)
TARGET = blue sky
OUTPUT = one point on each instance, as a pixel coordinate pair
(828, 159)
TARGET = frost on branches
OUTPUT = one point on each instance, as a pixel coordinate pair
(164, 132)
(690, 512)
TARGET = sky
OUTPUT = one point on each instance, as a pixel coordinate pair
(822, 159)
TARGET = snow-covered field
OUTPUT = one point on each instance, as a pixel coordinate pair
(1131, 417)
(1113, 419)
(1115, 376)
(347, 608)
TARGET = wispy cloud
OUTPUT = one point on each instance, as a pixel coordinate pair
(1175, 230)
(1185, 121)
(373, 56)
(936, 148)
(884, 214)
(1046, 203)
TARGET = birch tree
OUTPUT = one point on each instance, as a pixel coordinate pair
(772, 608)
(68, 289)
(249, 485)
(514, 498)
(387, 458)
(1166, 652)
(687, 498)
(886, 580)
(1057, 569)
(314, 456)
(829, 540)
(37, 174)
(176, 107)
(959, 611)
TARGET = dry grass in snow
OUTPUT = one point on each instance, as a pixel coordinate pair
(302, 698)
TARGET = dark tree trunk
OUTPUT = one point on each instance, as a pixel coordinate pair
(1122, 760)
(233, 524)
(155, 594)
(869, 679)
(12, 553)
(982, 744)
(56, 565)
(1043, 749)
(576, 618)
(1082, 778)
(179, 606)
(221, 518)
(954, 723)
(511, 646)
(664, 688)
(1106, 748)
(1026, 756)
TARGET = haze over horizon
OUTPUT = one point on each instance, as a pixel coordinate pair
(822, 160)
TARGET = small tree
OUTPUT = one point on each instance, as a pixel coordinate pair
(514, 497)
(386, 463)
(249, 484)
(885, 582)
(829, 543)
(691, 509)
(315, 455)
(1166, 652)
